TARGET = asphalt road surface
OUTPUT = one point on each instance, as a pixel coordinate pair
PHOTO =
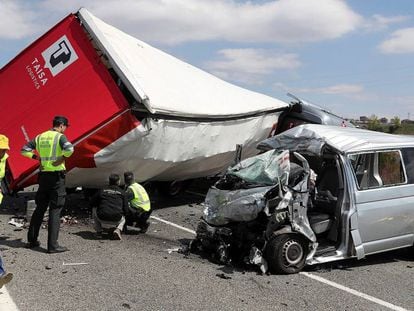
(145, 271)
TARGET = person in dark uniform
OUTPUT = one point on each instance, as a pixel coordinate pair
(52, 149)
(109, 208)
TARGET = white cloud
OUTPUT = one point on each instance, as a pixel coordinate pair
(378, 22)
(177, 21)
(250, 65)
(401, 41)
(256, 61)
(16, 20)
(343, 89)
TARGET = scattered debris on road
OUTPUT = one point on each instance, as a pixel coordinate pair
(17, 221)
(69, 220)
(223, 276)
(170, 250)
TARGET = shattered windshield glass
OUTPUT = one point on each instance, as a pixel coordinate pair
(266, 168)
(240, 194)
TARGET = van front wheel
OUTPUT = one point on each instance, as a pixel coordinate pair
(286, 254)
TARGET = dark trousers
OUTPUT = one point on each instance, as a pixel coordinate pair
(2, 271)
(140, 217)
(52, 193)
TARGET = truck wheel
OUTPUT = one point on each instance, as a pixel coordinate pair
(286, 254)
(88, 192)
(171, 189)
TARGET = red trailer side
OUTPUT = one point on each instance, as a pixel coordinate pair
(61, 73)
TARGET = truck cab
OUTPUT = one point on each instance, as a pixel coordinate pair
(303, 112)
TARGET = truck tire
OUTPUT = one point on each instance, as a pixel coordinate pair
(88, 192)
(171, 188)
(286, 254)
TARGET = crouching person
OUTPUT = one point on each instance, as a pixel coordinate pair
(139, 203)
(109, 208)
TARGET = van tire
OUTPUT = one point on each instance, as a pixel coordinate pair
(286, 254)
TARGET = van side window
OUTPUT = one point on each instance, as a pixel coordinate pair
(378, 169)
(408, 157)
(390, 168)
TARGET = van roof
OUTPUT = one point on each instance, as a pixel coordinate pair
(313, 137)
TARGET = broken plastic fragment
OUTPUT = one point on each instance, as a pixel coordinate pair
(256, 258)
(16, 222)
(170, 250)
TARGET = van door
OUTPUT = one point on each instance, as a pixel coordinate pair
(384, 200)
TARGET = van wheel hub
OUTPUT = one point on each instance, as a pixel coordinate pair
(292, 252)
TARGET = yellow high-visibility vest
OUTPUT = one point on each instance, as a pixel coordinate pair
(48, 147)
(3, 171)
(141, 198)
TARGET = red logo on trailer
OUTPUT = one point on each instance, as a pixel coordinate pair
(56, 58)
(59, 55)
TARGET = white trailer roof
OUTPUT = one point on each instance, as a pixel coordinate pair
(167, 85)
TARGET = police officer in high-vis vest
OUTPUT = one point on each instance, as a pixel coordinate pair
(139, 203)
(52, 149)
(4, 147)
(5, 277)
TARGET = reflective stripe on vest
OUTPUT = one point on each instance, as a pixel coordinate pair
(3, 166)
(48, 147)
(141, 198)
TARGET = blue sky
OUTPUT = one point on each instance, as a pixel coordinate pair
(352, 57)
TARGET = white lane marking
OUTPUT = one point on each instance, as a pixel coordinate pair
(354, 292)
(74, 263)
(317, 278)
(173, 224)
(6, 302)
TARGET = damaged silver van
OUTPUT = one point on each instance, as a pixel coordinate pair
(317, 194)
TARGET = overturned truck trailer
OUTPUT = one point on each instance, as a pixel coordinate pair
(131, 107)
